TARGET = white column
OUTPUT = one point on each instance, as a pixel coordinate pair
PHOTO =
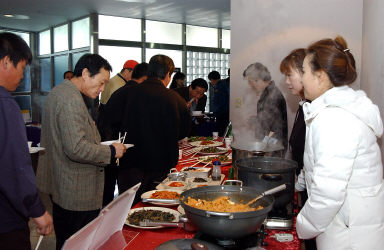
(372, 69)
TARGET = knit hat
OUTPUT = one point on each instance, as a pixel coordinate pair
(130, 64)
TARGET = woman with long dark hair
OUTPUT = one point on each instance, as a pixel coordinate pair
(177, 80)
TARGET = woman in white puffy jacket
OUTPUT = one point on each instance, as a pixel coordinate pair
(343, 173)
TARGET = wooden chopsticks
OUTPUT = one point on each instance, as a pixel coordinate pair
(121, 140)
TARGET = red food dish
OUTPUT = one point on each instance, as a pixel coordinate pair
(176, 184)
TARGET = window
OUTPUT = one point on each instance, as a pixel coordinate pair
(202, 36)
(116, 56)
(60, 38)
(80, 33)
(200, 64)
(76, 57)
(176, 55)
(226, 39)
(45, 42)
(61, 65)
(161, 32)
(23, 35)
(45, 74)
(119, 28)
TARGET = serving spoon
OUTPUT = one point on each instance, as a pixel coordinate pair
(268, 192)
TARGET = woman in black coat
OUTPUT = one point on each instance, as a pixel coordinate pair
(292, 68)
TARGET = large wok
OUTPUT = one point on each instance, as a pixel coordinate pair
(227, 225)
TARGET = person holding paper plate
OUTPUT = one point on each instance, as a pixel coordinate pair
(72, 169)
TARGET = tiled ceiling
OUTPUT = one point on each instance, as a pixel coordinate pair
(46, 13)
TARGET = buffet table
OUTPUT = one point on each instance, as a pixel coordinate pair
(136, 238)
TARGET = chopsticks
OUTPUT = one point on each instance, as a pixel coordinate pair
(190, 159)
(206, 164)
(38, 243)
(198, 150)
(121, 140)
(192, 152)
(196, 163)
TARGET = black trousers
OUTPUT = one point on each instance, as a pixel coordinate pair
(128, 177)
(110, 179)
(67, 222)
(15, 240)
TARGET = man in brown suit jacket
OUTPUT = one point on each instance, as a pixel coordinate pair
(71, 170)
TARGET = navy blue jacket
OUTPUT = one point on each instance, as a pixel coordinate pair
(19, 199)
(220, 101)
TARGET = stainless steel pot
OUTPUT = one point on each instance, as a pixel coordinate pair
(238, 154)
(264, 173)
(227, 225)
(176, 176)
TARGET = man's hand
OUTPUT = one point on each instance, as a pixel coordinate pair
(120, 149)
(189, 104)
(44, 223)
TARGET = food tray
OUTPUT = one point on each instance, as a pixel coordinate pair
(190, 183)
(209, 183)
(200, 172)
(165, 186)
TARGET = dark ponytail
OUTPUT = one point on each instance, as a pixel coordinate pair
(335, 59)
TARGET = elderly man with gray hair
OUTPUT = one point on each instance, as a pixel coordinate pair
(271, 107)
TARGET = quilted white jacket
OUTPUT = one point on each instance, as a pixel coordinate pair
(343, 173)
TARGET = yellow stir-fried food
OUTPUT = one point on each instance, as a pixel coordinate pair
(221, 204)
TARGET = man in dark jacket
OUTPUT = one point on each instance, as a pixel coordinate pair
(113, 114)
(196, 100)
(220, 100)
(194, 94)
(19, 198)
(155, 119)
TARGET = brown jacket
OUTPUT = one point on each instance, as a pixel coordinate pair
(71, 169)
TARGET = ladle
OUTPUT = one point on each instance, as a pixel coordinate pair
(268, 192)
(265, 144)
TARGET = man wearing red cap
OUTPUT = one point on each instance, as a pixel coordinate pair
(118, 81)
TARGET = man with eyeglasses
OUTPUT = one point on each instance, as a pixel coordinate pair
(194, 94)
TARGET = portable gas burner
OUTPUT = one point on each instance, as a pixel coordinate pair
(250, 241)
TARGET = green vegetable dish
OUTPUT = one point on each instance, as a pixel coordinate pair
(152, 215)
(211, 150)
(200, 138)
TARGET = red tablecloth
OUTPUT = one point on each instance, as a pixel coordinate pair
(135, 238)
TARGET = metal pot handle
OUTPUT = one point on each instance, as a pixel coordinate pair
(172, 170)
(211, 213)
(235, 181)
(272, 177)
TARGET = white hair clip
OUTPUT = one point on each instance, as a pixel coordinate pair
(345, 50)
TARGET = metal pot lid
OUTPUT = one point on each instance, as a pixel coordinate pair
(256, 146)
(186, 244)
(263, 164)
